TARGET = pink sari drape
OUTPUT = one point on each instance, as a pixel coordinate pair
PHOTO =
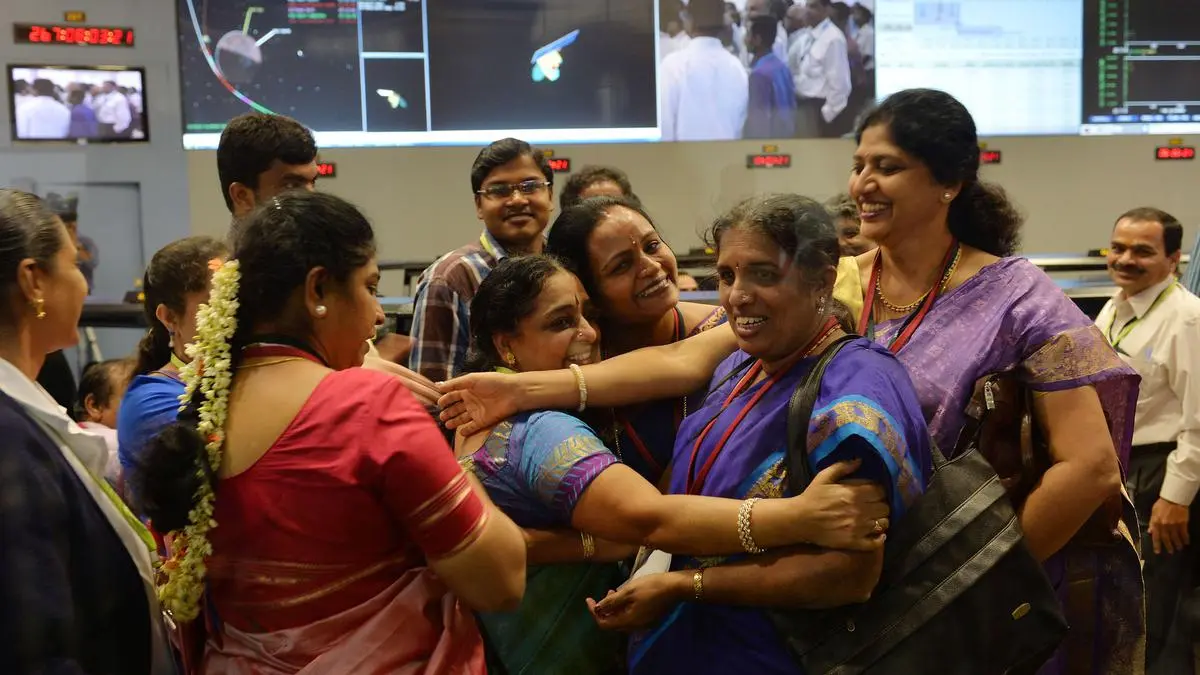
(414, 627)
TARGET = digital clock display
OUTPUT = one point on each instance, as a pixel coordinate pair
(1175, 152)
(49, 34)
(772, 160)
(560, 164)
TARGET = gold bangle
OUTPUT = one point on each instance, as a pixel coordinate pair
(589, 545)
(743, 527)
(698, 585)
(581, 383)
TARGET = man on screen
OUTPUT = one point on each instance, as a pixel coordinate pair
(820, 65)
(772, 108)
(112, 112)
(705, 89)
(514, 197)
(43, 116)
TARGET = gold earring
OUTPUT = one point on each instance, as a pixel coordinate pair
(39, 306)
(510, 358)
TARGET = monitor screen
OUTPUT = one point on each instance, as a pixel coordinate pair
(75, 103)
(412, 72)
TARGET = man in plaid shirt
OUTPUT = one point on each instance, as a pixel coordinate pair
(513, 187)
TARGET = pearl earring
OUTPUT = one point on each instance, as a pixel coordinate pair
(947, 197)
(322, 311)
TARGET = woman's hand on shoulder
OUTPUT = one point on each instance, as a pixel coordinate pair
(641, 603)
(477, 401)
(420, 386)
(840, 514)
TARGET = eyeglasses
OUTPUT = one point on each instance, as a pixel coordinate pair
(505, 190)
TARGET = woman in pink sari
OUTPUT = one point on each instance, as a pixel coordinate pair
(342, 536)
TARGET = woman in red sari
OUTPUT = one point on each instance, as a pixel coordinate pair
(345, 534)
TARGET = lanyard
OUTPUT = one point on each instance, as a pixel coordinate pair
(866, 323)
(695, 481)
(631, 433)
(1129, 325)
(488, 246)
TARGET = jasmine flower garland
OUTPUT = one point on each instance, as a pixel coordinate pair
(210, 371)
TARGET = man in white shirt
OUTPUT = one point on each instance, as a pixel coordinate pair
(863, 13)
(705, 89)
(113, 112)
(1154, 324)
(671, 35)
(43, 115)
(820, 64)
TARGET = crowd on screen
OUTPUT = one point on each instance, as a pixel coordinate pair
(47, 110)
(780, 69)
(476, 497)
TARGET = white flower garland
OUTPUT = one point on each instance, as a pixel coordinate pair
(210, 371)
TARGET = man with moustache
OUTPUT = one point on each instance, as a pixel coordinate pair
(514, 197)
(1154, 324)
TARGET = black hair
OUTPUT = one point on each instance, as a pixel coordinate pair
(44, 87)
(708, 16)
(176, 270)
(668, 11)
(276, 247)
(936, 129)
(1172, 228)
(589, 176)
(801, 227)
(252, 142)
(842, 205)
(840, 15)
(103, 381)
(28, 229)
(508, 294)
(572, 230)
(764, 28)
(502, 152)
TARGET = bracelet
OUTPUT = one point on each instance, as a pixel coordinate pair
(589, 545)
(743, 527)
(581, 383)
(698, 585)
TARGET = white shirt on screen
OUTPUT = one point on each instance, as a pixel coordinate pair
(114, 110)
(669, 45)
(705, 93)
(43, 117)
(1163, 346)
(820, 67)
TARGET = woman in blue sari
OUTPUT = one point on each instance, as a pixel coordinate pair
(548, 471)
(776, 263)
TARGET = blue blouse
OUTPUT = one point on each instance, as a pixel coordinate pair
(151, 402)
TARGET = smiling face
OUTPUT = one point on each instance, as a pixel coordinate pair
(635, 271)
(557, 333)
(771, 306)
(895, 192)
(1137, 257)
(515, 218)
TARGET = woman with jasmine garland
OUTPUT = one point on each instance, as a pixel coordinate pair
(345, 534)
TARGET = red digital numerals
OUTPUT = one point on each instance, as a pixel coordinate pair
(80, 35)
(1175, 152)
(770, 161)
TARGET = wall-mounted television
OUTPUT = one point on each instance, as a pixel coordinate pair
(83, 104)
(466, 72)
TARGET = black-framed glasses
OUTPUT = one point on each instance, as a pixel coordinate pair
(505, 190)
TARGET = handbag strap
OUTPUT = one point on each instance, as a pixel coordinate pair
(800, 411)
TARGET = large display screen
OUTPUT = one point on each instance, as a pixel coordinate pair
(411, 72)
(75, 103)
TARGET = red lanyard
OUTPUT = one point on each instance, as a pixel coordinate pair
(866, 322)
(631, 433)
(695, 481)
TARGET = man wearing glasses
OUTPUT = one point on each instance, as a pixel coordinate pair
(513, 187)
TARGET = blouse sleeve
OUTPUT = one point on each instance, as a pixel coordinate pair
(874, 418)
(422, 484)
(560, 457)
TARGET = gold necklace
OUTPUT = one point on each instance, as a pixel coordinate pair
(909, 308)
(263, 364)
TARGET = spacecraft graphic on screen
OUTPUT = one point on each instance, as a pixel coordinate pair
(548, 60)
(394, 99)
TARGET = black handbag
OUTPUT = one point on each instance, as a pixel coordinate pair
(959, 591)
